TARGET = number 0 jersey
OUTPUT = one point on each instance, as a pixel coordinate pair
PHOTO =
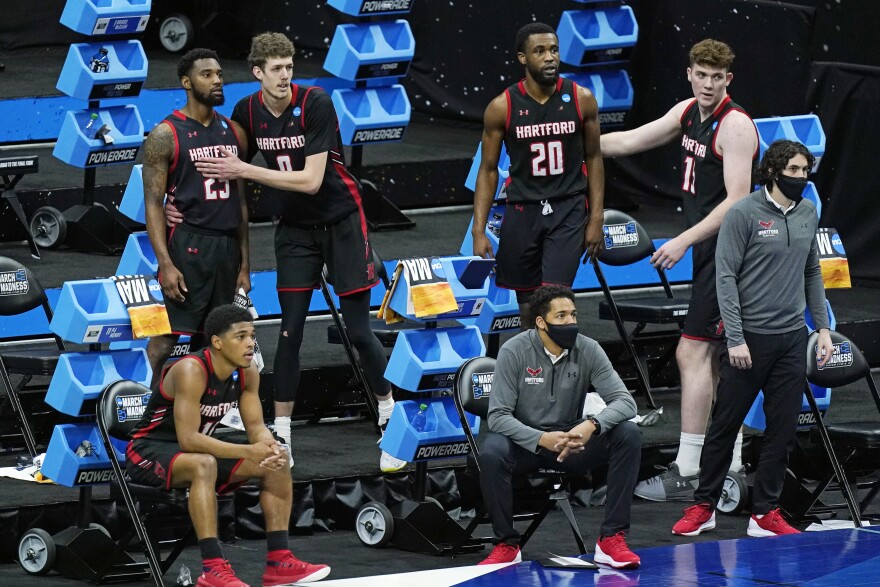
(545, 144)
(211, 204)
(702, 167)
(307, 126)
(219, 397)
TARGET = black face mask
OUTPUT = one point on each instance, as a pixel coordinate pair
(791, 187)
(564, 335)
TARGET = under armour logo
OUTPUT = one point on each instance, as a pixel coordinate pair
(523, 112)
(264, 125)
(192, 250)
(192, 134)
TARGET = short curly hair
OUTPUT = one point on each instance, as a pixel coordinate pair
(268, 45)
(186, 63)
(712, 53)
(541, 299)
(533, 28)
(221, 319)
(777, 156)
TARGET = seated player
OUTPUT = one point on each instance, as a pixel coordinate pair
(173, 446)
(535, 421)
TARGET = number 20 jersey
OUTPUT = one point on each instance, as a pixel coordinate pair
(545, 144)
(211, 204)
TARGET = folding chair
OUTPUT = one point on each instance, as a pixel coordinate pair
(472, 386)
(858, 442)
(22, 293)
(141, 501)
(627, 242)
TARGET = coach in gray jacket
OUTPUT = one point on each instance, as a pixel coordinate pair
(536, 421)
(768, 271)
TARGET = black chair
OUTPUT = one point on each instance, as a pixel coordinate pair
(857, 442)
(141, 501)
(20, 292)
(627, 242)
(473, 382)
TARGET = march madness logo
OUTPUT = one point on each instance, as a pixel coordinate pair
(534, 376)
(482, 384)
(131, 407)
(14, 283)
(767, 229)
(620, 235)
(842, 357)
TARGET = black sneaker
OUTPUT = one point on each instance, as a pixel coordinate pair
(669, 485)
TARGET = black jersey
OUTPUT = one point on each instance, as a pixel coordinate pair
(211, 204)
(307, 126)
(545, 144)
(218, 398)
(702, 167)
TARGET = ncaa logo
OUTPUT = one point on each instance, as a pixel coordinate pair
(837, 243)
(566, 98)
(297, 111)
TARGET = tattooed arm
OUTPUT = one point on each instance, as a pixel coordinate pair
(158, 151)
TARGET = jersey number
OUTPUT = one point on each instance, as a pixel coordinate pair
(690, 175)
(284, 162)
(216, 189)
(547, 159)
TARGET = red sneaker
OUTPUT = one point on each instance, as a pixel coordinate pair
(286, 568)
(697, 518)
(770, 524)
(613, 551)
(503, 553)
(219, 575)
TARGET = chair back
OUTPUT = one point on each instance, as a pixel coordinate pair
(626, 241)
(473, 385)
(847, 365)
(120, 407)
(379, 267)
(19, 290)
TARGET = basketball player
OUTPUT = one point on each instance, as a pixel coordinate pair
(322, 219)
(550, 127)
(719, 145)
(204, 259)
(173, 446)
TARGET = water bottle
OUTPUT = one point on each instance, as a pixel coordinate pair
(100, 61)
(91, 122)
(418, 421)
(494, 224)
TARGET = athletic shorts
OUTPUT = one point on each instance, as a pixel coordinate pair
(302, 251)
(149, 462)
(537, 249)
(209, 262)
(703, 320)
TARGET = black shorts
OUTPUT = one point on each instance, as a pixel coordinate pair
(703, 321)
(302, 251)
(536, 249)
(149, 462)
(209, 262)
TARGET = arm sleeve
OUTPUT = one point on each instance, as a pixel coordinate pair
(729, 252)
(320, 122)
(814, 287)
(502, 403)
(620, 405)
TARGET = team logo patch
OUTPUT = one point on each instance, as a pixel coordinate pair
(534, 377)
(766, 229)
(766, 223)
(534, 372)
(160, 471)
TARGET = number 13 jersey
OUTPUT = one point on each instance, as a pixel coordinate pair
(545, 144)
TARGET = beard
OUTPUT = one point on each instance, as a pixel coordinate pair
(208, 98)
(541, 78)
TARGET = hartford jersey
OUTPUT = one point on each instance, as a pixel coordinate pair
(702, 167)
(545, 144)
(211, 204)
(218, 398)
(307, 126)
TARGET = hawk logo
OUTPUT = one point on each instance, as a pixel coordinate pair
(533, 378)
(523, 112)
(160, 471)
(766, 224)
(534, 372)
(371, 271)
(192, 134)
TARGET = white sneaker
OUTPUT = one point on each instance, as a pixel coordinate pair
(390, 464)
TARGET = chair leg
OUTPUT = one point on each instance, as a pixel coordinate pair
(15, 402)
(565, 506)
(536, 521)
(832, 456)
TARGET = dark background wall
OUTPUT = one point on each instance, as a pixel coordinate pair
(806, 56)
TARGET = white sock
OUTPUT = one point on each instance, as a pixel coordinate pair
(282, 428)
(690, 447)
(737, 461)
(386, 406)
